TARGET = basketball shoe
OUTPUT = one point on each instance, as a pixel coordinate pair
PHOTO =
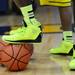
(72, 62)
(30, 33)
(66, 46)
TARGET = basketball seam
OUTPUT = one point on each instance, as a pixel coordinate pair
(27, 49)
(3, 44)
(18, 65)
(22, 57)
(19, 61)
(16, 57)
(12, 57)
(9, 55)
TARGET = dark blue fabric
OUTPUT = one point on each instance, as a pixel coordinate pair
(4, 29)
(4, 5)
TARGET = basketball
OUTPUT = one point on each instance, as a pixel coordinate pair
(16, 57)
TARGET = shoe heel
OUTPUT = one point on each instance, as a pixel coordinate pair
(71, 52)
(65, 54)
(37, 40)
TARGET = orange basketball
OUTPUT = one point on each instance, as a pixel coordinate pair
(16, 57)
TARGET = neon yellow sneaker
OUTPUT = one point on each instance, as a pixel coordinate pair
(64, 48)
(31, 33)
(20, 29)
(72, 62)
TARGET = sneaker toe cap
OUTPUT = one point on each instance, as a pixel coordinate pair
(72, 64)
(52, 51)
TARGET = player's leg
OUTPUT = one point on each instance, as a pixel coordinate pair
(66, 21)
(20, 3)
(72, 62)
(67, 42)
(66, 18)
(27, 11)
(32, 30)
(26, 20)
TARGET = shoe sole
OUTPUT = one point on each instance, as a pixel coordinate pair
(37, 40)
(65, 54)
